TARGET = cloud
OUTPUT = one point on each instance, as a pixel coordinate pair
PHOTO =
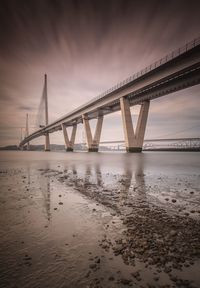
(86, 47)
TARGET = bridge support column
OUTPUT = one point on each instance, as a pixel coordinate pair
(134, 141)
(69, 144)
(93, 143)
(28, 146)
(47, 142)
(141, 123)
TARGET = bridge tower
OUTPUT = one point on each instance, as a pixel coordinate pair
(134, 140)
(27, 132)
(47, 140)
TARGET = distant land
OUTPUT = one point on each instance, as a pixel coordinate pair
(81, 147)
(54, 147)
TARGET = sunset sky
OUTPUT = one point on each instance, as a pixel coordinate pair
(85, 47)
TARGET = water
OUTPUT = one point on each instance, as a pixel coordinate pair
(62, 216)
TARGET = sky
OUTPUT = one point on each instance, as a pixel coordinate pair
(86, 47)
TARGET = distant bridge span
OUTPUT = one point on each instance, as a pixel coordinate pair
(177, 70)
(154, 140)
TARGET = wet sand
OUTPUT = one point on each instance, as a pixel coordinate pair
(81, 220)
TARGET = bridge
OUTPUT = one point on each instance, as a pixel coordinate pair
(178, 70)
(175, 144)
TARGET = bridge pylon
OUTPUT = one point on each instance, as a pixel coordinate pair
(47, 140)
(27, 132)
(93, 142)
(134, 141)
(69, 143)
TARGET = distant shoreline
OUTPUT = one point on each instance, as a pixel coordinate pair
(55, 148)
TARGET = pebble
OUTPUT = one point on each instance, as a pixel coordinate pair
(93, 266)
(88, 274)
(98, 260)
(156, 278)
(173, 233)
(111, 278)
(125, 281)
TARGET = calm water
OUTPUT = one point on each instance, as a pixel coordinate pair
(56, 208)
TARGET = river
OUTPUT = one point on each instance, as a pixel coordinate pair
(99, 219)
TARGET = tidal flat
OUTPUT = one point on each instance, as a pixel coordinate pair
(99, 219)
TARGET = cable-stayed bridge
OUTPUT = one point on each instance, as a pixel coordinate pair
(178, 70)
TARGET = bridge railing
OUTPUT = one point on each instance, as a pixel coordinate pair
(188, 46)
(149, 68)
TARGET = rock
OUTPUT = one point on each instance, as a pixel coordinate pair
(27, 258)
(156, 278)
(88, 274)
(98, 260)
(93, 266)
(173, 200)
(60, 203)
(111, 278)
(125, 281)
(136, 275)
(172, 233)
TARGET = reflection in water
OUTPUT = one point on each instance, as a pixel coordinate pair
(91, 179)
(126, 185)
(46, 192)
(47, 198)
(98, 175)
(124, 181)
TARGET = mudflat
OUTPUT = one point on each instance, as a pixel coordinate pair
(99, 220)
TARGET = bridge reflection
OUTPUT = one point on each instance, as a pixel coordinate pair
(114, 189)
(129, 183)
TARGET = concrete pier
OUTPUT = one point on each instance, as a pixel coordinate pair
(69, 144)
(141, 124)
(47, 143)
(93, 143)
(134, 141)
